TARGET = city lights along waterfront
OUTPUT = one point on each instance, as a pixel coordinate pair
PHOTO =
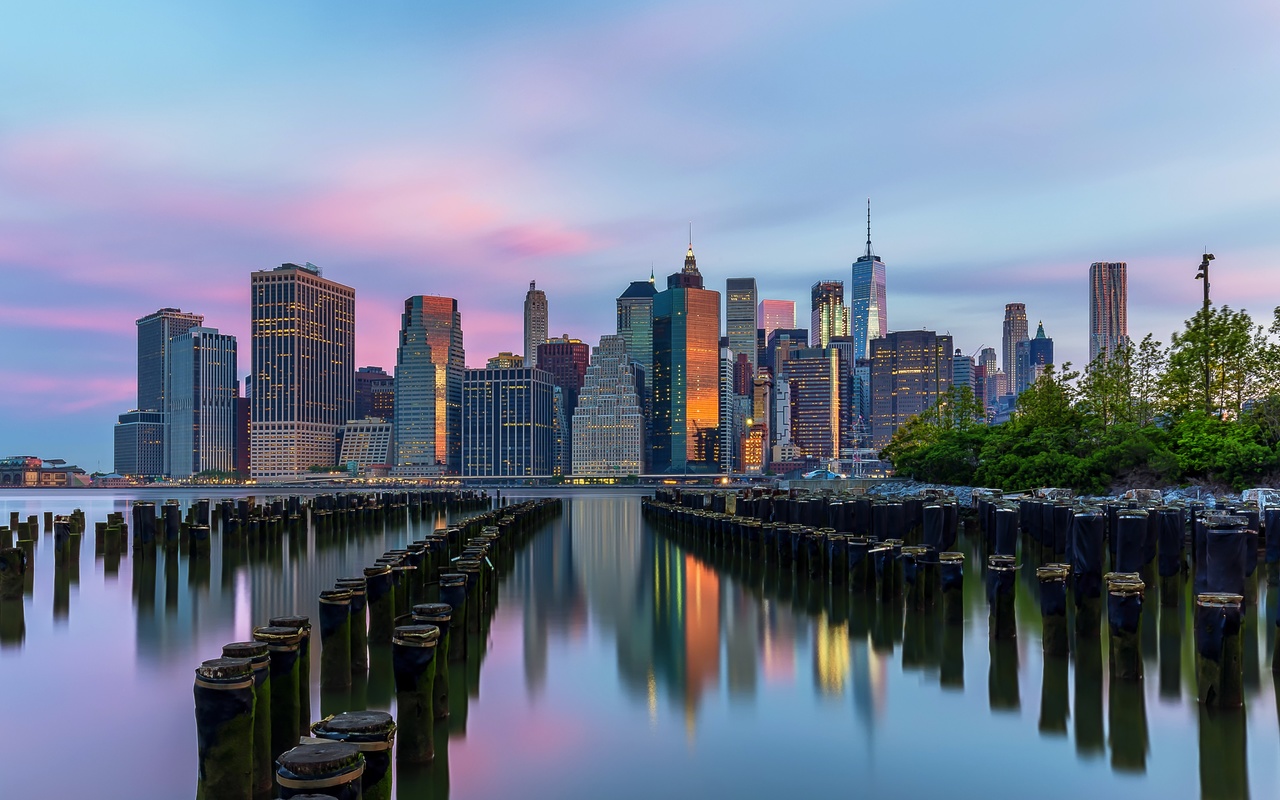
(630, 653)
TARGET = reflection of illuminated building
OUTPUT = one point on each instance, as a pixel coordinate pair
(831, 655)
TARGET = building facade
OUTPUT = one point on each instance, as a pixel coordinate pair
(375, 394)
(1108, 307)
(740, 317)
(430, 363)
(508, 420)
(814, 377)
(505, 360)
(909, 370)
(567, 360)
(774, 314)
(608, 426)
(686, 371)
(828, 316)
(156, 333)
(139, 444)
(1014, 330)
(202, 396)
(535, 322)
(868, 298)
(365, 442)
(303, 368)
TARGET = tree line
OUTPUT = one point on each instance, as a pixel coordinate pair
(1203, 410)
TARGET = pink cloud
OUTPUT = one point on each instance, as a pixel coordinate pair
(53, 395)
(63, 318)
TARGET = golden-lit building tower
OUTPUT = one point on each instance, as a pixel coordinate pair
(909, 370)
(304, 332)
(686, 372)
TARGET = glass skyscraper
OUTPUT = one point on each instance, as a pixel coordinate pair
(828, 316)
(686, 372)
(202, 403)
(868, 299)
(430, 363)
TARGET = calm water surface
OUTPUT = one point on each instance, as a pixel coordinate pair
(620, 665)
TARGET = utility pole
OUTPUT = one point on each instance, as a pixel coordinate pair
(1203, 275)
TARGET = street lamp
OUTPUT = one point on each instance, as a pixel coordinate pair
(1203, 275)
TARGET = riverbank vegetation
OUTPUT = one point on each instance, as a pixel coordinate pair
(1204, 410)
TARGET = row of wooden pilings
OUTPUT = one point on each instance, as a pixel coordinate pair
(423, 606)
(900, 551)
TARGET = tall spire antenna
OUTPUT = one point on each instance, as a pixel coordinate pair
(690, 235)
(868, 228)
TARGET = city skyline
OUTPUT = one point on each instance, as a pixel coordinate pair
(502, 150)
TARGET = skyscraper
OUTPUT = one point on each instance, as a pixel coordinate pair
(507, 423)
(814, 376)
(1108, 307)
(1041, 348)
(686, 370)
(608, 428)
(740, 317)
(155, 335)
(535, 322)
(430, 362)
(1015, 330)
(828, 316)
(567, 360)
(868, 298)
(635, 321)
(988, 366)
(303, 368)
(774, 314)
(202, 403)
(735, 408)
(964, 372)
(139, 444)
(375, 394)
(909, 369)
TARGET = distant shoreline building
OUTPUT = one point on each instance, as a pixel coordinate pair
(608, 426)
(202, 399)
(430, 363)
(828, 317)
(868, 298)
(535, 322)
(507, 423)
(740, 317)
(909, 370)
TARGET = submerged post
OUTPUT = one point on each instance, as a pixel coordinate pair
(1124, 617)
(1053, 608)
(282, 646)
(303, 626)
(1219, 650)
(335, 639)
(334, 768)
(259, 658)
(224, 729)
(413, 650)
(1001, 570)
(373, 733)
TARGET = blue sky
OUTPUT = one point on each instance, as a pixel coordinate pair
(153, 154)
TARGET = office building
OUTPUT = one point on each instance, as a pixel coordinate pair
(988, 366)
(774, 314)
(782, 342)
(430, 362)
(201, 397)
(139, 444)
(735, 409)
(567, 360)
(868, 298)
(508, 421)
(505, 360)
(635, 321)
(303, 372)
(686, 372)
(1108, 307)
(608, 426)
(1041, 349)
(156, 332)
(909, 369)
(814, 377)
(535, 322)
(828, 316)
(740, 317)
(375, 394)
(365, 442)
(964, 372)
(1014, 331)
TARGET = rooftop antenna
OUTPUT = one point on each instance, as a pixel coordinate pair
(868, 228)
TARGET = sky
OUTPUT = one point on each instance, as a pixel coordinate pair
(153, 154)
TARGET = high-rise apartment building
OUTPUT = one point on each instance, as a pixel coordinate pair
(303, 368)
(740, 317)
(868, 298)
(828, 316)
(507, 428)
(430, 362)
(375, 394)
(1108, 307)
(608, 428)
(535, 322)
(201, 397)
(774, 314)
(686, 371)
(1014, 331)
(909, 370)
(814, 377)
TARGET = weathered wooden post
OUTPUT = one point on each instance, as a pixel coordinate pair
(224, 729)
(303, 626)
(259, 657)
(413, 650)
(335, 639)
(373, 733)
(282, 646)
(335, 768)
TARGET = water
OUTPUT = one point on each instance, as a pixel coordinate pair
(620, 665)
